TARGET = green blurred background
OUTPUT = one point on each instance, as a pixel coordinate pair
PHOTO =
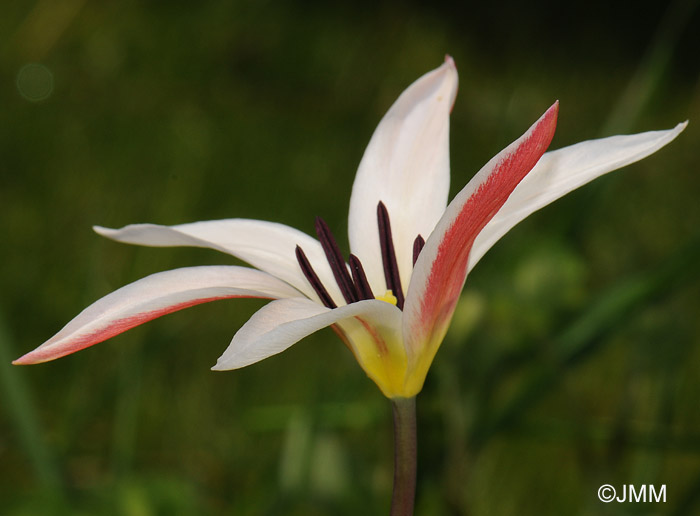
(574, 354)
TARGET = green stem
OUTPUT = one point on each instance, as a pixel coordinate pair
(404, 456)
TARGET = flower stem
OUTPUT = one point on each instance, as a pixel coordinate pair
(404, 456)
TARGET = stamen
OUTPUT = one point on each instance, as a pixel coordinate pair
(364, 291)
(313, 278)
(336, 261)
(391, 269)
(418, 244)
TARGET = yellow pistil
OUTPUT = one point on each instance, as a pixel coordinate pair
(388, 297)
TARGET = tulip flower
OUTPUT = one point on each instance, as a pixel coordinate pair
(392, 299)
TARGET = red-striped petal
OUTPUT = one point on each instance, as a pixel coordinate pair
(441, 268)
(152, 297)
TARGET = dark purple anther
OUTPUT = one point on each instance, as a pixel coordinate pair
(364, 291)
(313, 278)
(336, 261)
(391, 269)
(418, 244)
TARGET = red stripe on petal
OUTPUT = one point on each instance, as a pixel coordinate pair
(449, 268)
(52, 352)
(376, 337)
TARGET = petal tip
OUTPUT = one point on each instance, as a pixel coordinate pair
(26, 360)
(451, 68)
(219, 366)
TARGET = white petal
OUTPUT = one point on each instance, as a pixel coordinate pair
(266, 245)
(280, 324)
(561, 171)
(154, 296)
(406, 166)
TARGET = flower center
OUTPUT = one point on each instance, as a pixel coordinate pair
(388, 297)
(351, 278)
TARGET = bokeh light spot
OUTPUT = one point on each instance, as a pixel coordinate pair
(35, 82)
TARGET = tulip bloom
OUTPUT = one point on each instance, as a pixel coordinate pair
(392, 301)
